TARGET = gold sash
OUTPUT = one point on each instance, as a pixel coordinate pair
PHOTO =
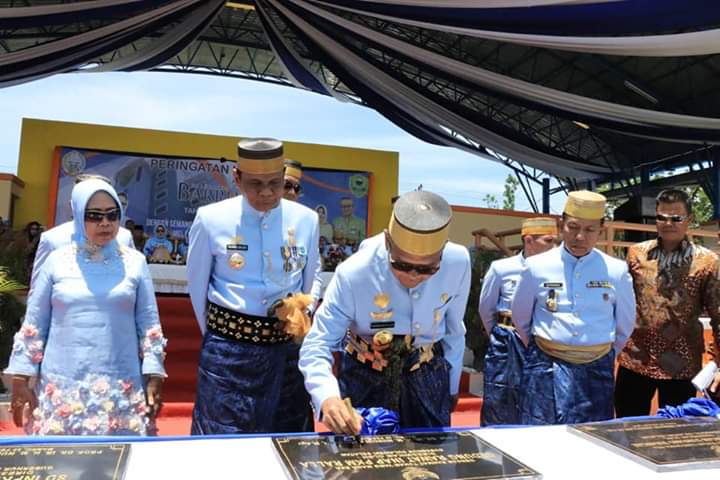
(577, 354)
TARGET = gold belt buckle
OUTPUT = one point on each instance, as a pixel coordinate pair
(504, 319)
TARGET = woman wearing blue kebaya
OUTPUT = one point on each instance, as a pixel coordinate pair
(91, 334)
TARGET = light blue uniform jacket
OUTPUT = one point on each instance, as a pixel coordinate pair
(498, 288)
(244, 260)
(594, 297)
(431, 312)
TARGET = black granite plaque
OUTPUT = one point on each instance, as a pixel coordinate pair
(420, 456)
(64, 461)
(663, 445)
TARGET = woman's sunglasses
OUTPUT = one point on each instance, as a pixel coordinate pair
(293, 186)
(96, 216)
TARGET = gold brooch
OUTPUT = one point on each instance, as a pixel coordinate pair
(291, 236)
(381, 300)
(236, 261)
(551, 302)
(382, 339)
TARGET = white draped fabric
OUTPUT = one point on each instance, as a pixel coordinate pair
(547, 96)
(433, 115)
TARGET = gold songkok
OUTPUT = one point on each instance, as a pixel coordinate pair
(420, 223)
(293, 169)
(539, 226)
(260, 155)
(585, 205)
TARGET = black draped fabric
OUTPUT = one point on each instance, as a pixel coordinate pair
(438, 96)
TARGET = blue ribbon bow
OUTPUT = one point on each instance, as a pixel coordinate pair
(695, 407)
(379, 421)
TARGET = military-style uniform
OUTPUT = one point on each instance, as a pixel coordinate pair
(420, 370)
(352, 227)
(575, 315)
(502, 374)
(293, 169)
(240, 261)
(293, 175)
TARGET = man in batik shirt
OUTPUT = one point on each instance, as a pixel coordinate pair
(675, 281)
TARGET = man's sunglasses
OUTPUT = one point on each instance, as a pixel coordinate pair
(670, 218)
(96, 216)
(409, 267)
(293, 186)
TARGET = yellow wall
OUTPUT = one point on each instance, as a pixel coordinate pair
(38, 139)
(5, 199)
(10, 187)
(467, 219)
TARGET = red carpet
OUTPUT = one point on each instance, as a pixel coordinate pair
(183, 334)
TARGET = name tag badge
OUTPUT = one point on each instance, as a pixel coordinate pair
(553, 285)
(598, 284)
(236, 247)
(388, 325)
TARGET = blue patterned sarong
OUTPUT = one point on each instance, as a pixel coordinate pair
(559, 392)
(246, 387)
(503, 378)
(424, 393)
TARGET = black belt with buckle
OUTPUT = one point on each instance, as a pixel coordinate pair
(245, 328)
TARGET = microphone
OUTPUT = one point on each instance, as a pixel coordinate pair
(702, 380)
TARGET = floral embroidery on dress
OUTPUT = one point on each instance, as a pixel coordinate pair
(94, 405)
(97, 259)
(27, 342)
(154, 342)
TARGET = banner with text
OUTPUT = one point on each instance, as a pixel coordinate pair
(166, 191)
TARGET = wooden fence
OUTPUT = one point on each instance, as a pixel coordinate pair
(503, 241)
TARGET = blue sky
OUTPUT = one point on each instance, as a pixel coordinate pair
(227, 106)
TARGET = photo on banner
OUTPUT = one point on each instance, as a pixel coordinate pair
(162, 194)
(340, 199)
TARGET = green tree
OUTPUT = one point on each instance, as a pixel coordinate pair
(701, 205)
(511, 186)
(476, 338)
(12, 309)
(490, 201)
(700, 202)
